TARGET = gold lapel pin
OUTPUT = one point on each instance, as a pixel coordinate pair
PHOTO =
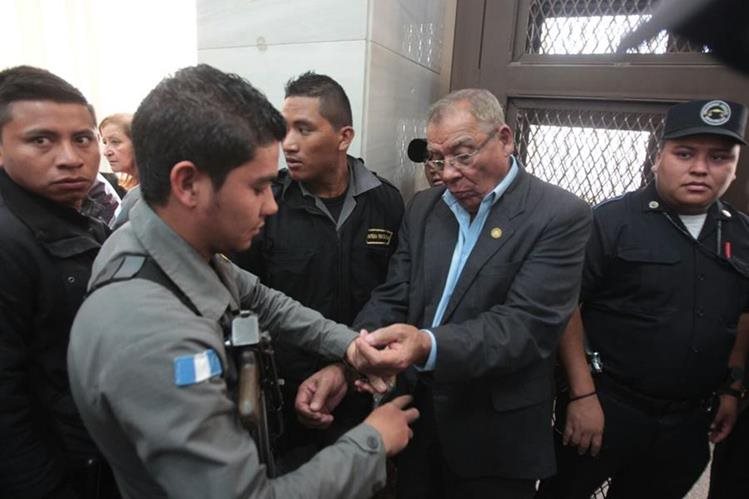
(496, 233)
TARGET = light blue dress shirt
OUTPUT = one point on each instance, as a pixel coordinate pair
(468, 233)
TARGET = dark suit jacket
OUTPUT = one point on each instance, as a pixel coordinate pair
(492, 385)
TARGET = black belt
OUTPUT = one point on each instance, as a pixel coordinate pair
(653, 405)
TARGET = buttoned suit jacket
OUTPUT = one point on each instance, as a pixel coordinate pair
(492, 385)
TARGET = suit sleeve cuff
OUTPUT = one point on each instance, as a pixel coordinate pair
(432, 358)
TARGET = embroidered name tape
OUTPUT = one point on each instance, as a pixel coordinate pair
(191, 369)
(379, 237)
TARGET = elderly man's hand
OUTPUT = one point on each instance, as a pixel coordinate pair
(389, 350)
(319, 395)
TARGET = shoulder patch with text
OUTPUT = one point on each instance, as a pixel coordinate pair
(379, 237)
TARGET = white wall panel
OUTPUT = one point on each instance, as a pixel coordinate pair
(399, 93)
(237, 23)
(269, 68)
(412, 28)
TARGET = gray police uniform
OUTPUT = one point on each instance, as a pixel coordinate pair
(127, 203)
(186, 441)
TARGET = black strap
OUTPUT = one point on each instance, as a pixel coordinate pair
(131, 266)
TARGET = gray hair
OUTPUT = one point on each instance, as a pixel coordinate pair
(482, 104)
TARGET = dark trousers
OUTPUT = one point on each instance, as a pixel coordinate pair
(423, 473)
(647, 453)
(729, 475)
(92, 479)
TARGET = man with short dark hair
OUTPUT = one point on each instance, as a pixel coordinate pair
(49, 157)
(149, 368)
(329, 244)
(665, 282)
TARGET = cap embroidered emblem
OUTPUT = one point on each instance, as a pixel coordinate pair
(716, 113)
(496, 233)
(653, 205)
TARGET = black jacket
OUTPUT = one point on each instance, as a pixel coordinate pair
(330, 269)
(660, 306)
(46, 252)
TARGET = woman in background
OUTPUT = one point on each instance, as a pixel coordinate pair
(118, 148)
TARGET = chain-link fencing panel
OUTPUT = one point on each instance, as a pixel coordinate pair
(576, 27)
(596, 154)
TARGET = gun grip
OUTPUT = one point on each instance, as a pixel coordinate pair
(248, 397)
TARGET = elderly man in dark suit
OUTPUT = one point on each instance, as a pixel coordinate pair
(489, 268)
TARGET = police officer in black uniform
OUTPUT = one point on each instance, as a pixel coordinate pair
(329, 244)
(665, 282)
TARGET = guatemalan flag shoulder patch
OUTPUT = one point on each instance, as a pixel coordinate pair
(192, 369)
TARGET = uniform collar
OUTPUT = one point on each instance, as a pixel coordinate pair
(651, 202)
(207, 289)
(360, 179)
(49, 221)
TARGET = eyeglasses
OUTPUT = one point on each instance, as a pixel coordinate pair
(459, 160)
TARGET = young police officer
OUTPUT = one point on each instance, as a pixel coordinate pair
(329, 244)
(148, 366)
(665, 282)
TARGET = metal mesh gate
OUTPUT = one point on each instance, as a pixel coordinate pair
(595, 153)
(594, 27)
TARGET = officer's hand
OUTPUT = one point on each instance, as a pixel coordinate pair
(584, 425)
(390, 350)
(391, 421)
(319, 394)
(724, 419)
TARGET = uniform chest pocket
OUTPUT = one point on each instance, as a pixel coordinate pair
(648, 256)
(734, 283)
(648, 274)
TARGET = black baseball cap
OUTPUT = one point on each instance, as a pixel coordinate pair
(712, 117)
